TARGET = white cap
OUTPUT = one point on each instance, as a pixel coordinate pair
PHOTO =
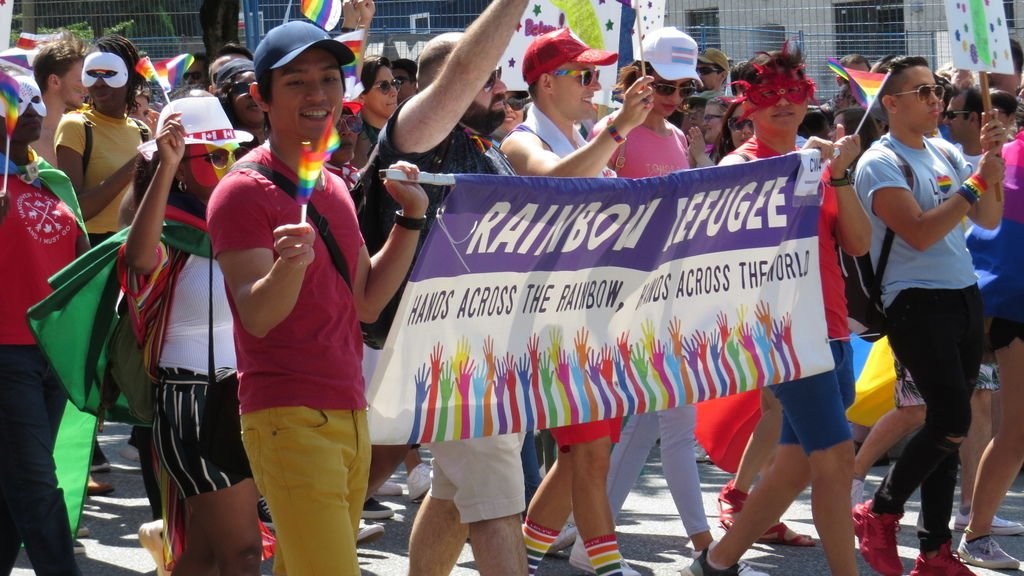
(672, 53)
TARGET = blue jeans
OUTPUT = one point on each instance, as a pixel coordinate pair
(32, 509)
(531, 468)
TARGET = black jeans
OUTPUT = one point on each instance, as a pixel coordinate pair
(32, 509)
(937, 335)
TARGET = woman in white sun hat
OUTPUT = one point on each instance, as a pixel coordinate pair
(165, 269)
(656, 148)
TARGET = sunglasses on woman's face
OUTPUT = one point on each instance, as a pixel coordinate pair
(736, 124)
(587, 76)
(667, 89)
(219, 158)
(385, 86)
(517, 104)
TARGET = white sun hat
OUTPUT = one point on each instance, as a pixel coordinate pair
(205, 123)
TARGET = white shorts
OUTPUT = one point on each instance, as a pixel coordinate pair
(484, 476)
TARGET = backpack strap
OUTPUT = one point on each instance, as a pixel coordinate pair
(87, 151)
(323, 227)
(890, 236)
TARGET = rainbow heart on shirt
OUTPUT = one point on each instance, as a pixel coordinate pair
(944, 182)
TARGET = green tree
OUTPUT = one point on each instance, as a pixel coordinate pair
(219, 21)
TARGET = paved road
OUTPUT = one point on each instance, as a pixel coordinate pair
(650, 532)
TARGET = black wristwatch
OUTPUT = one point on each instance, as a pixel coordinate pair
(410, 223)
(843, 180)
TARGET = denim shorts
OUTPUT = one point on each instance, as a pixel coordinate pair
(814, 408)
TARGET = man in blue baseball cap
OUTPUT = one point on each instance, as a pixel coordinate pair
(297, 295)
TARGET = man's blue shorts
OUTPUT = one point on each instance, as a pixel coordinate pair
(814, 408)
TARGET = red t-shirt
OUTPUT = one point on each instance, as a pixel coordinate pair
(37, 239)
(833, 287)
(313, 357)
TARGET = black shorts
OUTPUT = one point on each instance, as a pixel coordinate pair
(181, 397)
(1002, 332)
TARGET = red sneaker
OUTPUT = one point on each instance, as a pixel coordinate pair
(877, 536)
(730, 503)
(945, 563)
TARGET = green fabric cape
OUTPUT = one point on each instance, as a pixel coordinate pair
(72, 327)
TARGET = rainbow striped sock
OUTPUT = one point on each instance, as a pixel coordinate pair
(538, 540)
(604, 555)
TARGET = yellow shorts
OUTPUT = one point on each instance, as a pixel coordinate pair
(312, 467)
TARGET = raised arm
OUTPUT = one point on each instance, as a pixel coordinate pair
(144, 236)
(528, 157)
(432, 113)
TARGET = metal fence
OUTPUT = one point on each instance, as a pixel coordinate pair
(741, 28)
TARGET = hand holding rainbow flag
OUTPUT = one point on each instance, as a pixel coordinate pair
(311, 163)
(9, 94)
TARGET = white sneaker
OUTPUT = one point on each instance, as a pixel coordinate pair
(857, 492)
(985, 552)
(389, 489)
(419, 482)
(152, 540)
(369, 533)
(566, 538)
(1000, 526)
(579, 560)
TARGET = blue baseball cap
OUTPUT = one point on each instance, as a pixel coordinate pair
(284, 43)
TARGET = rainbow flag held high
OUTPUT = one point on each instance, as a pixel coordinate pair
(354, 41)
(172, 70)
(325, 13)
(864, 85)
(9, 100)
(312, 161)
(148, 71)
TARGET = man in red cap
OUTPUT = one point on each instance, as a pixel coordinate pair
(562, 75)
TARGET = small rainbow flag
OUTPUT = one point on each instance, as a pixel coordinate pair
(354, 41)
(325, 13)
(9, 100)
(170, 71)
(312, 161)
(148, 71)
(864, 85)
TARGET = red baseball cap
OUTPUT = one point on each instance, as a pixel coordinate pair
(549, 51)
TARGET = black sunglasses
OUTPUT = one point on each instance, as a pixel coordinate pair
(704, 70)
(517, 104)
(739, 124)
(492, 79)
(950, 114)
(666, 89)
(239, 89)
(385, 86)
(192, 75)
